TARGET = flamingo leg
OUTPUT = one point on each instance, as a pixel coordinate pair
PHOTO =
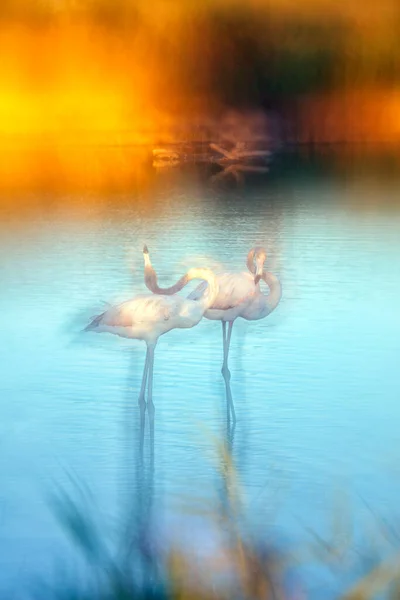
(141, 399)
(150, 405)
(227, 342)
(226, 337)
(229, 334)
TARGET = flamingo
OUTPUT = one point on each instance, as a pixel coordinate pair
(147, 317)
(239, 295)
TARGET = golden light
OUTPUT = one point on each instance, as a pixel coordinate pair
(79, 75)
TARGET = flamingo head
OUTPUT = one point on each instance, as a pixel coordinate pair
(146, 256)
(260, 256)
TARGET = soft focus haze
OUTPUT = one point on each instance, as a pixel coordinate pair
(118, 72)
(109, 66)
(201, 128)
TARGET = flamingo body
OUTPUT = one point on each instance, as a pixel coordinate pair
(236, 291)
(147, 317)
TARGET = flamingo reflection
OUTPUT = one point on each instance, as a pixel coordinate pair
(136, 543)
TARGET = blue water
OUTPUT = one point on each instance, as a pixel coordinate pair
(316, 385)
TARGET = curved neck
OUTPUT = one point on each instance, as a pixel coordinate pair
(210, 294)
(275, 290)
(250, 261)
(151, 282)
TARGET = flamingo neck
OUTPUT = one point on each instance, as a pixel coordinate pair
(211, 292)
(250, 261)
(151, 282)
(275, 291)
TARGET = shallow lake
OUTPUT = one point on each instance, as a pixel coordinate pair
(316, 385)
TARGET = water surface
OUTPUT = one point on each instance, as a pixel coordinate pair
(316, 384)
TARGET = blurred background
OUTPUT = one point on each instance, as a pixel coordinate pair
(202, 129)
(122, 73)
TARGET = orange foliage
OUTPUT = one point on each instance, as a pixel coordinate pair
(80, 73)
(362, 116)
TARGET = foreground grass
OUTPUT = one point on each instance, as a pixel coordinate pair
(257, 575)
